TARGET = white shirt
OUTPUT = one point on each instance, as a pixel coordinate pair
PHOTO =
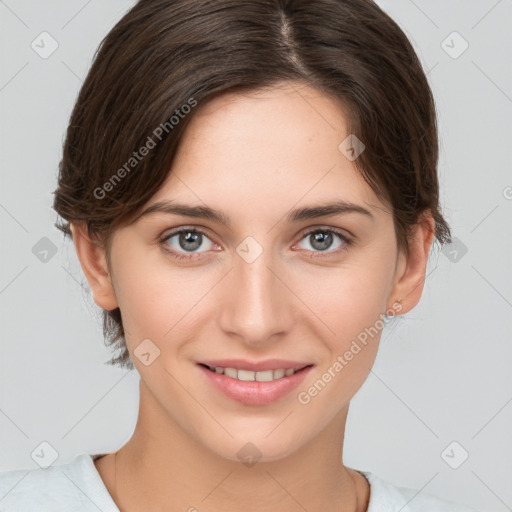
(78, 487)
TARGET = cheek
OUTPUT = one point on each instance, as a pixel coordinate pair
(159, 301)
(348, 298)
(351, 305)
(351, 302)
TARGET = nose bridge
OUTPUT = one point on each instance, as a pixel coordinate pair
(255, 304)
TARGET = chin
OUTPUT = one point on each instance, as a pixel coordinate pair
(250, 449)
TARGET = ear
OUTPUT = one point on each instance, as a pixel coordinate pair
(94, 264)
(411, 270)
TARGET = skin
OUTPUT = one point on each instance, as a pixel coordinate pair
(254, 157)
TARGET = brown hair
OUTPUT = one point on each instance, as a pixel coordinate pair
(164, 55)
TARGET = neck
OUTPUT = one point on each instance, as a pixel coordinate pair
(162, 464)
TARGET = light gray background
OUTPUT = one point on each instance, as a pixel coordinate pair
(443, 371)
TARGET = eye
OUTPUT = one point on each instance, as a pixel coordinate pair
(320, 240)
(185, 242)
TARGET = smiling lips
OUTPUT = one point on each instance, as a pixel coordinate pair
(248, 375)
(255, 383)
(268, 364)
(264, 371)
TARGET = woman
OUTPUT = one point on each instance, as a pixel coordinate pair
(251, 188)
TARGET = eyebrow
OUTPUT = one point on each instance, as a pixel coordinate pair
(294, 216)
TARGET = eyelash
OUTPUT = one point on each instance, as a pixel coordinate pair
(347, 242)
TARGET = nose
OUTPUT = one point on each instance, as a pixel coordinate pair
(255, 302)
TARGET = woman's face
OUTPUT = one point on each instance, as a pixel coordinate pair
(258, 286)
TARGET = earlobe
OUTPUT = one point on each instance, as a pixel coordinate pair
(411, 270)
(93, 260)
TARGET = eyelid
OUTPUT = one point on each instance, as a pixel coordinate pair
(204, 231)
(185, 227)
(339, 231)
(194, 229)
(347, 240)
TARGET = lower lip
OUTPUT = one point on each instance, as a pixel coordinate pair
(254, 392)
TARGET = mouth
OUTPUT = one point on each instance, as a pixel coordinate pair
(257, 376)
(254, 387)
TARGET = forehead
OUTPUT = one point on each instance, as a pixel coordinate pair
(264, 152)
(272, 119)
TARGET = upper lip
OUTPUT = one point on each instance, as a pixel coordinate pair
(256, 366)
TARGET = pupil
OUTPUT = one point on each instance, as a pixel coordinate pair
(189, 237)
(322, 240)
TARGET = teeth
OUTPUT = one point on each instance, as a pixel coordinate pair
(231, 372)
(247, 375)
(281, 373)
